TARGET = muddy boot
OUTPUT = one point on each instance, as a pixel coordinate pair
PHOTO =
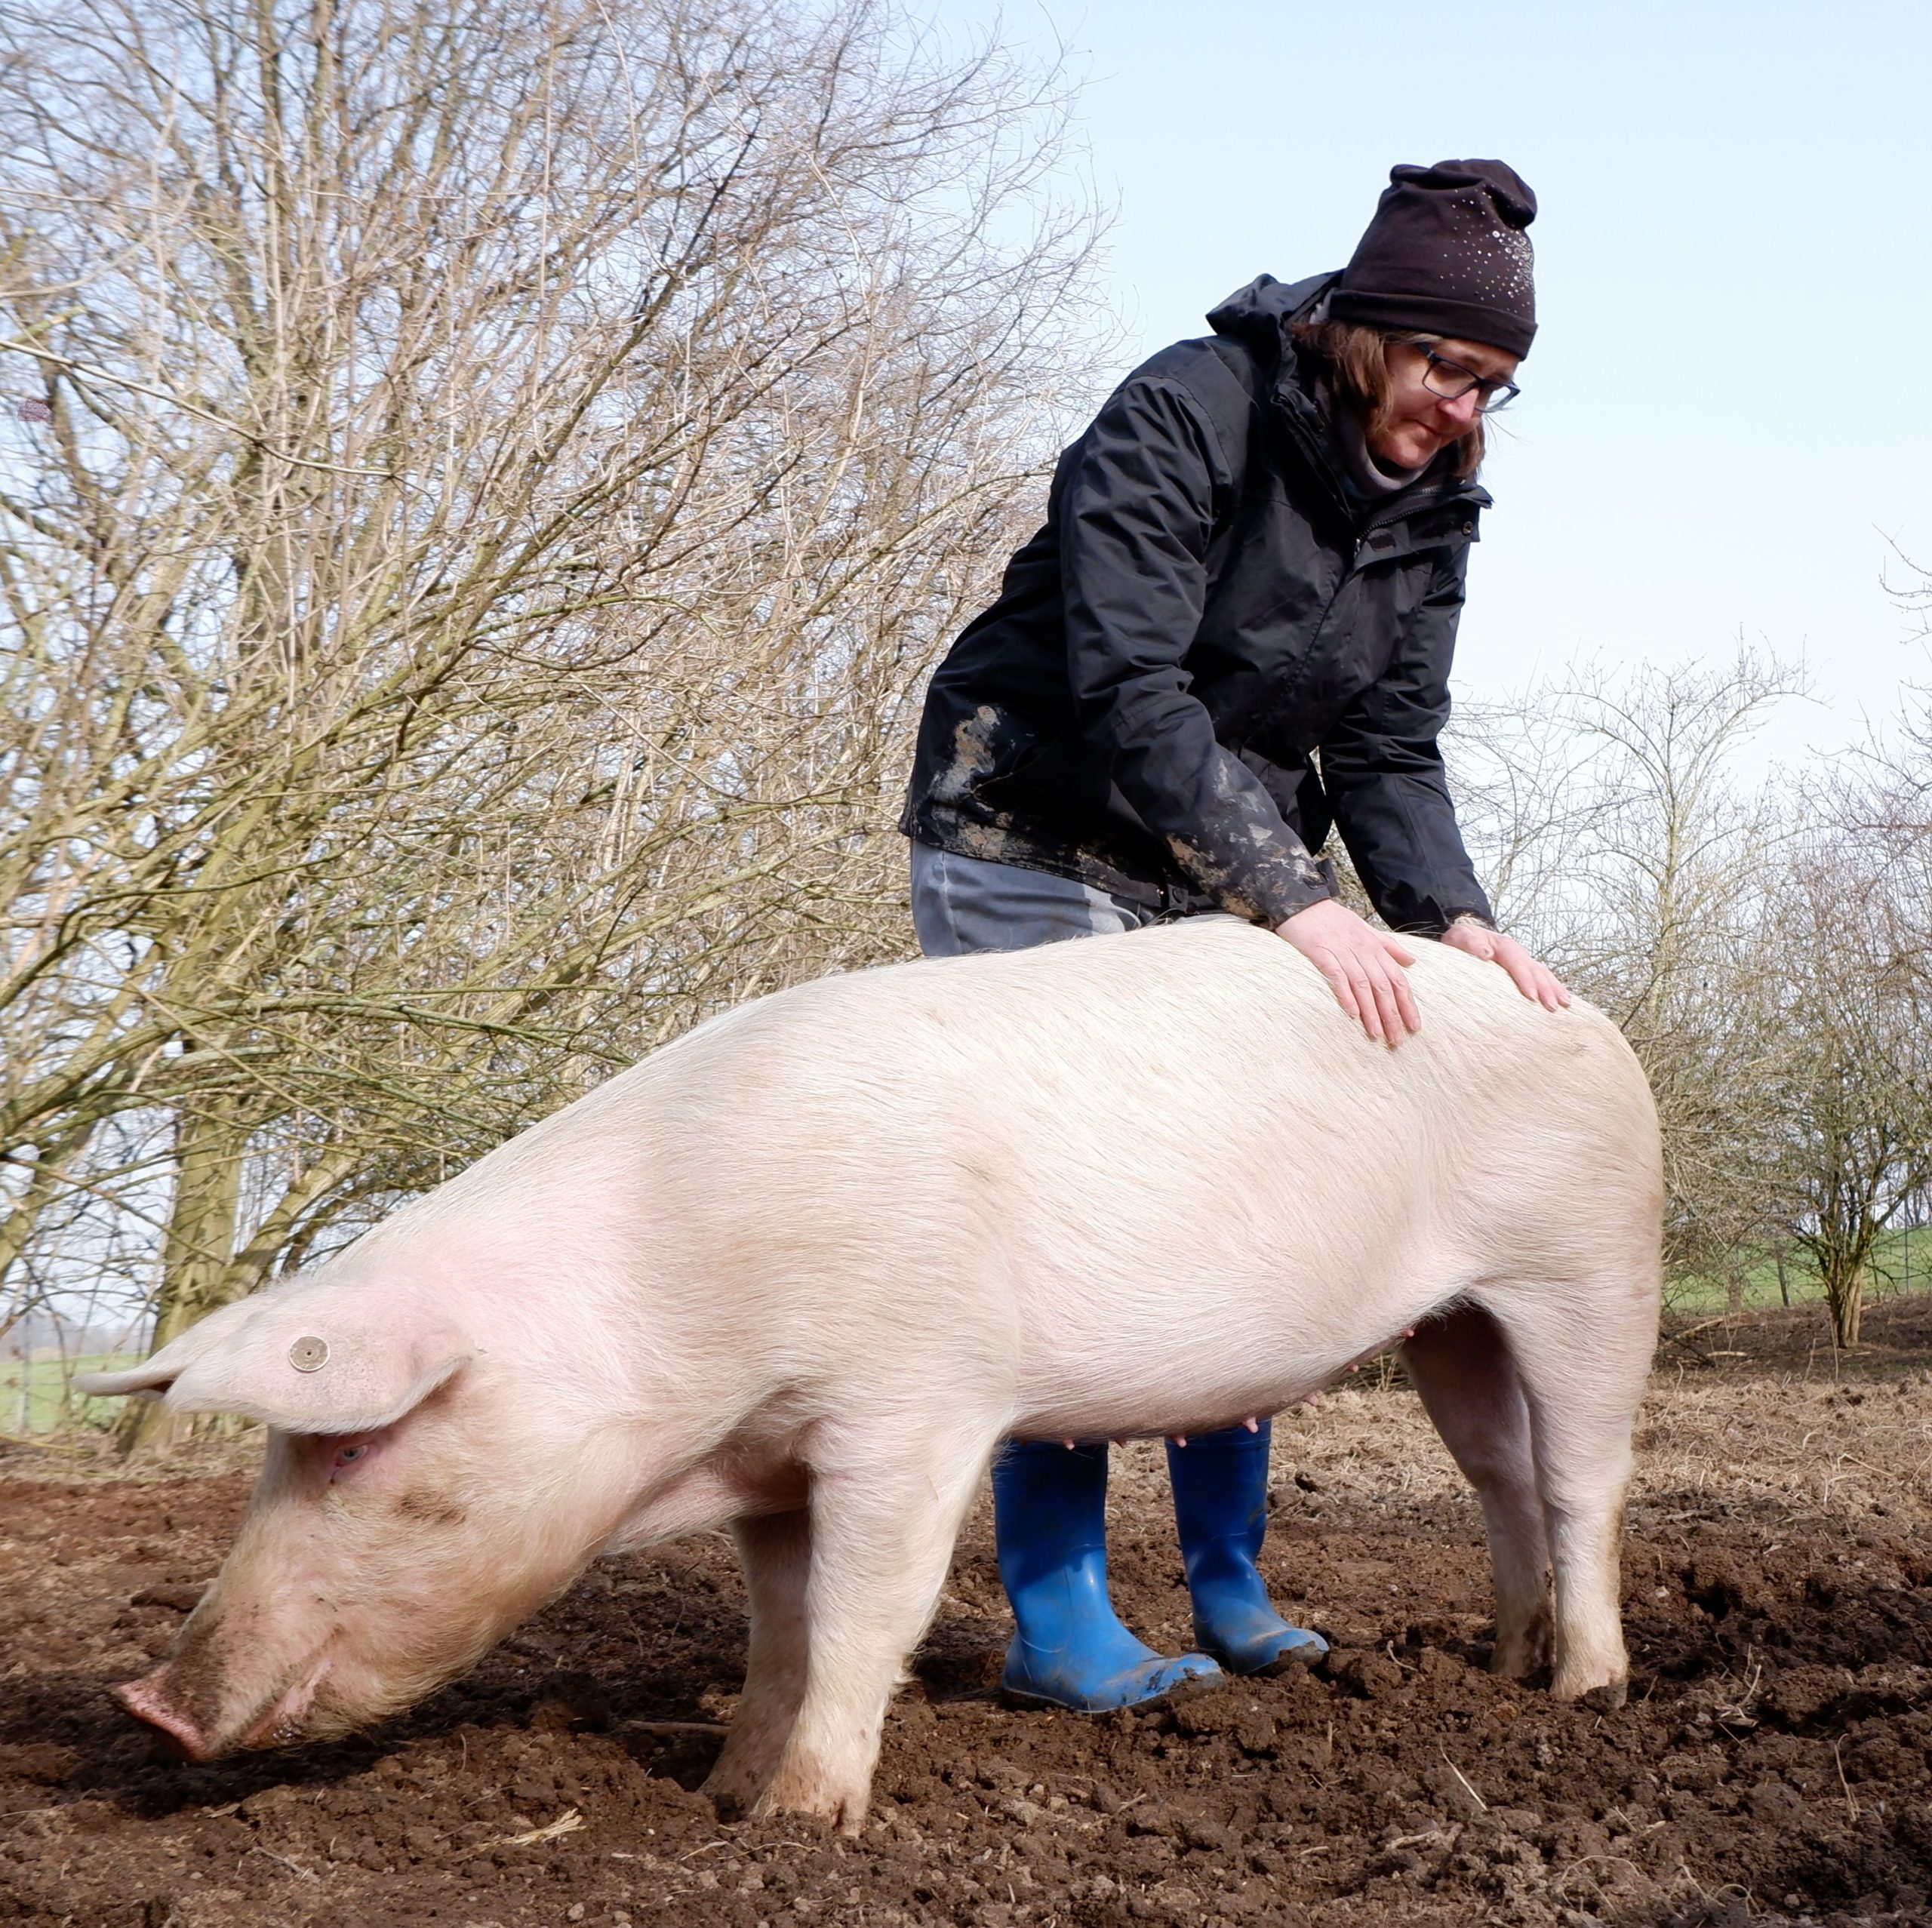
(1070, 1649)
(1221, 1482)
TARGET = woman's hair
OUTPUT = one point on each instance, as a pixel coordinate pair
(1356, 359)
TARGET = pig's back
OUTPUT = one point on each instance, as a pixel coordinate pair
(1048, 1146)
(1211, 1026)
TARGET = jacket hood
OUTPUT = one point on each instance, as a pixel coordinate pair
(1258, 315)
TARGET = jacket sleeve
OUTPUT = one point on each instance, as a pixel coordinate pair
(1135, 517)
(1382, 769)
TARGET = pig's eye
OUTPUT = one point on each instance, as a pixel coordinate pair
(347, 1456)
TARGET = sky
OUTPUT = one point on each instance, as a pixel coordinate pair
(1726, 425)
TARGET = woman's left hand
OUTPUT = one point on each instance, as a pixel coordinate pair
(1533, 979)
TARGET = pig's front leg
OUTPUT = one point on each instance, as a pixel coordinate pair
(775, 1551)
(886, 1510)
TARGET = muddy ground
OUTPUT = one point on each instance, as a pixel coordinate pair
(1773, 1764)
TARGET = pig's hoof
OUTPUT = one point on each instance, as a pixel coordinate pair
(734, 1795)
(1525, 1655)
(794, 1793)
(1605, 1699)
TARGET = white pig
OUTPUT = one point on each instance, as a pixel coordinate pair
(799, 1272)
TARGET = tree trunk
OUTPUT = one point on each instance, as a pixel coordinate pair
(1784, 1283)
(50, 1173)
(1845, 1290)
(197, 1274)
(1734, 1294)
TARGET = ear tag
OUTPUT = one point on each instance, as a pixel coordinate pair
(308, 1355)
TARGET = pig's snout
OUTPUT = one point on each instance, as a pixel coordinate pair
(146, 1700)
(279, 1723)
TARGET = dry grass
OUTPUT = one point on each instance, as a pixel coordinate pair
(1831, 1444)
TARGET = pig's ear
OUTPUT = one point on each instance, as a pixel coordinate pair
(160, 1368)
(310, 1358)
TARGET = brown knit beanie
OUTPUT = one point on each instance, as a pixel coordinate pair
(1446, 254)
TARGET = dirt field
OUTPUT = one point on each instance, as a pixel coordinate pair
(1772, 1764)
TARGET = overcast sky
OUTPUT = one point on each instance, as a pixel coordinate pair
(1725, 420)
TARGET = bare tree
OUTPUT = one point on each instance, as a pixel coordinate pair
(1618, 840)
(1850, 1109)
(489, 483)
(1856, 922)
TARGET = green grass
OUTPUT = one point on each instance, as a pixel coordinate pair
(1902, 1263)
(35, 1395)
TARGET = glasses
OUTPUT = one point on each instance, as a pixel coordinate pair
(1452, 381)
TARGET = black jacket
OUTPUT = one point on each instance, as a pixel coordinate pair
(1203, 613)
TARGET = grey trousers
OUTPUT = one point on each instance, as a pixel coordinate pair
(962, 904)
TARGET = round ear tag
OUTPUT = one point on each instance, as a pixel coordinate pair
(308, 1355)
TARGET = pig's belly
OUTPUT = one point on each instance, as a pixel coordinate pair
(1149, 1412)
(1175, 1361)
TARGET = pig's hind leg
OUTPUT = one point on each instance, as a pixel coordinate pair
(1469, 1382)
(775, 1551)
(1583, 1348)
(886, 1509)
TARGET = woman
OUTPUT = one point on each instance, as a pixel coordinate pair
(1234, 631)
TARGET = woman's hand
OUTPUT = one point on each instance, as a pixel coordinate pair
(1534, 980)
(1364, 967)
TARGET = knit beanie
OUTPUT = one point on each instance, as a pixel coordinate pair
(1446, 254)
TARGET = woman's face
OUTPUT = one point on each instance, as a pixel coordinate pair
(1424, 423)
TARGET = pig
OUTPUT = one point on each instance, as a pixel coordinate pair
(798, 1273)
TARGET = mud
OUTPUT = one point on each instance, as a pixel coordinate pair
(1772, 1765)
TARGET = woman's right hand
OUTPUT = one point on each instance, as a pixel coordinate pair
(1364, 967)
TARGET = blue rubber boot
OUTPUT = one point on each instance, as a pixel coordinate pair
(1069, 1648)
(1221, 1482)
